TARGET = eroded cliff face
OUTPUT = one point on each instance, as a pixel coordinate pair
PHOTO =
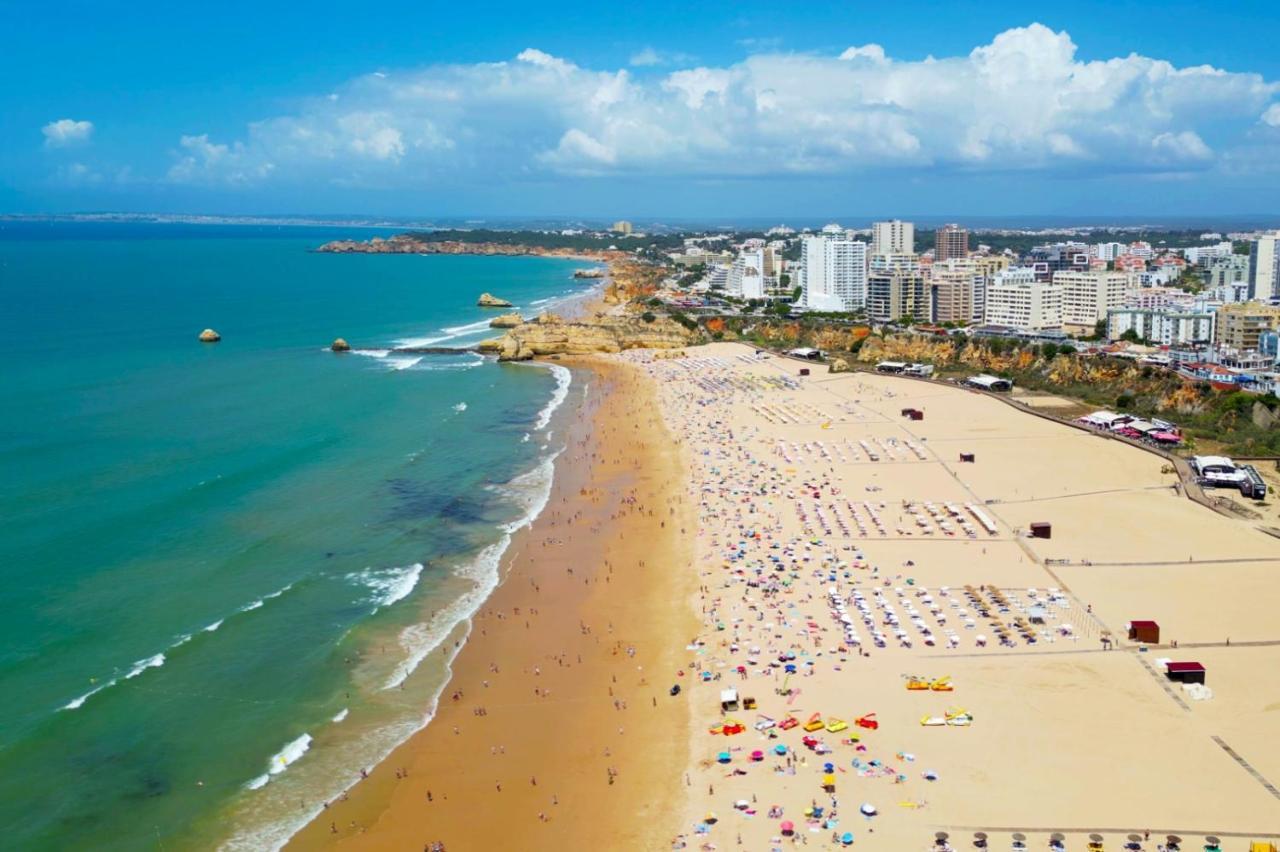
(1165, 390)
(552, 335)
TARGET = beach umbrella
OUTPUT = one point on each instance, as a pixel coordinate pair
(710, 817)
(742, 804)
(1096, 838)
(788, 827)
(868, 809)
(1057, 837)
(1135, 837)
(846, 838)
(1019, 837)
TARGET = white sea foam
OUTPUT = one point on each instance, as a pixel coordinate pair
(214, 626)
(533, 490)
(77, 703)
(372, 353)
(564, 378)
(446, 335)
(153, 662)
(402, 363)
(282, 760)
(342, 714)
(388, 585)
(420, 640)
(460, 407)
(252, 605)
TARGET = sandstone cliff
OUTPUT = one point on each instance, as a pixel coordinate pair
(551, 335)
(506, 321)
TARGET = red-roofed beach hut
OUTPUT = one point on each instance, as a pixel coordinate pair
(1144, 631)
(1188, 672)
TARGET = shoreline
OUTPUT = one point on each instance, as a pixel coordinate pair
(463, 757)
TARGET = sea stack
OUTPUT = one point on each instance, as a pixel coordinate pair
(488, 300)
(209, 336)
(340, 345)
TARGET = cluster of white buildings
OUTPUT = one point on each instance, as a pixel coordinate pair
(1060, 289)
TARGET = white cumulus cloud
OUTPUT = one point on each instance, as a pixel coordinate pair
(1023, 101)
(66, 131)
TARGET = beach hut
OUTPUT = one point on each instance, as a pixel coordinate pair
(967, 457)
(1041, 529)
(1185, 672)
(728, 700)
(1144, 631)
(917, 414)
(804, 371)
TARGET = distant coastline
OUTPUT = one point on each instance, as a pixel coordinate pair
(411, 244)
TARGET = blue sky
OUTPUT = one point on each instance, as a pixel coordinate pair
(668, 110)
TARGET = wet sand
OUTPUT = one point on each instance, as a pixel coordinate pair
(562, 734)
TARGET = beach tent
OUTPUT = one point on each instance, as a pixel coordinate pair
(728, 699)
(1144, 631)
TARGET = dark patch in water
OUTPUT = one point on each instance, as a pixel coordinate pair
(417, 500)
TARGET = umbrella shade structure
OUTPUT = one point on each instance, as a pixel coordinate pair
(1019, 836)
(1057, 836)
(868, 809)
(846, 838)
(1096, 838)
(710, 817)
(788, 827)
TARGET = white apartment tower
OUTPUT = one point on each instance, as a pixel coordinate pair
(835, 273)
(894, 237)
(1016, 300)
(1087, 296)
(1264, 268)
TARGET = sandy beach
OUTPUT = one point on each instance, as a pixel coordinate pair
(561, 734)
(835, 551)
(847, 543)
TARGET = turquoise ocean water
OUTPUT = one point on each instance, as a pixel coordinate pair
(232, 575)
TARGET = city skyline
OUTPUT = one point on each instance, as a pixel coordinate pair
(834, 110)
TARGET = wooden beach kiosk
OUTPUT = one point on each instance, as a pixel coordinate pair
(1041, 529)
(1144, 631)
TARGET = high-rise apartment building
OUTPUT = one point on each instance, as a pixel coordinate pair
(1087, 296)
(1264, 268)
(746, 275)
(957, 291)
(894, 237)
(834, 272)
(622, 226)
(950, 242)
(1239, 325)
(1015, 299)
(897, 293)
